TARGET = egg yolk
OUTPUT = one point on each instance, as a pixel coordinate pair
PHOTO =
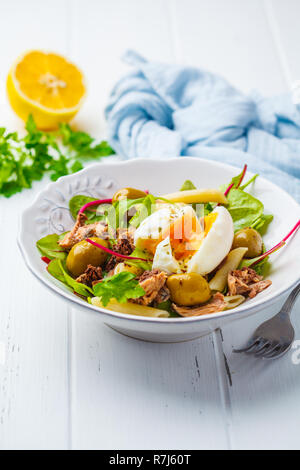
(186, 234)
(208, 222)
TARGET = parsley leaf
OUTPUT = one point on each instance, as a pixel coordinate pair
(27, 159)
(122, 286)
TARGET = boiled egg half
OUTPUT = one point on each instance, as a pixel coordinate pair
(180, 242)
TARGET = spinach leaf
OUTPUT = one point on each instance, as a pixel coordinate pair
(145, 209)
(58, 270)
(251, 180)
(261, 268)
(78, 287)
(262, 223)
(146, 266)
(187, 185)
(48, 246)
(244, 208)
(167, 305)
(104, 212)
(236, 181)
(208, 208)
(121, 208)
(54, 269)
(76, 203)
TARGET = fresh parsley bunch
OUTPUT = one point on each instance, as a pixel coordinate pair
(27, 159)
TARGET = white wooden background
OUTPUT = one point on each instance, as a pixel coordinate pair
(66, 382)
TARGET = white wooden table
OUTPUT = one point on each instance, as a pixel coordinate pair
(65, 381)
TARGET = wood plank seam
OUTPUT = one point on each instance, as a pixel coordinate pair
(70, 378)
(225, 381)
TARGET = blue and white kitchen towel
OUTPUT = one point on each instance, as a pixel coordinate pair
(161, 110)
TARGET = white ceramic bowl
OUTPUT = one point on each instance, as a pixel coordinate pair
(49, 213)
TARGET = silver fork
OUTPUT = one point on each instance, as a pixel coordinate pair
(274, 338)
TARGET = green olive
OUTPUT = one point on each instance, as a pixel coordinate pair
(188, 289)
(83, 253)
(251, 239)
(128, 193)
(125, 267)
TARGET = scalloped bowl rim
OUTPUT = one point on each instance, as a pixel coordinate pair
(243, 309)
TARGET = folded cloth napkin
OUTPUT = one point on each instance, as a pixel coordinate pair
(163, 111)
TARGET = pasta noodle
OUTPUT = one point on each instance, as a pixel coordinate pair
(197, 196)
(233, 301)
(131, 308)
(219, 281)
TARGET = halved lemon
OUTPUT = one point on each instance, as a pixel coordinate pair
(47, 86)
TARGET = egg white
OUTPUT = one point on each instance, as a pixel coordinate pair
(213, 249)
(158, 221)
(163, 258)
(215, 246)
(152, 226)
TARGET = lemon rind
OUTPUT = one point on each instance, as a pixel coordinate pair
(37, 105)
